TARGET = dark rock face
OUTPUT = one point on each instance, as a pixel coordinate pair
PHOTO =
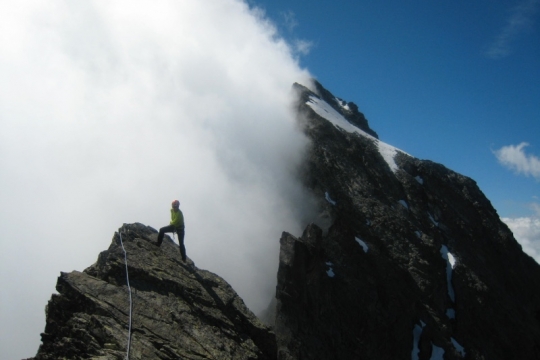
(416, 263)
(333, 306)
(179, 311)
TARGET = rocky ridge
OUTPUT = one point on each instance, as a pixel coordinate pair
(411, 261)
(179, 311)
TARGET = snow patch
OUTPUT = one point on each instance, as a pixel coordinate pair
(418, 234)
(446, 255)
(451, 313)
(452, 260)
(330, 272)
(323, 109)
(388, 153)
(362, 244)
(419, 179)
(437, 353)
(417, 332)
(433, 220)
(460, 349)
(329, 199)
(404, 203)
(343, 104)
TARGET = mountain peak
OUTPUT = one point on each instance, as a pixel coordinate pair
(416, 261)
(348, 110)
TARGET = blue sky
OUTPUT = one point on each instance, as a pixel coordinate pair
(451, 82)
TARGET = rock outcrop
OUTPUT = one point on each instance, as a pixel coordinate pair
(416, 264)
(179, 311)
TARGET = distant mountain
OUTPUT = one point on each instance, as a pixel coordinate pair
(416, 264)
(409, 261)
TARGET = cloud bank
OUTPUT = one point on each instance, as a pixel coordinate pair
(515, 158)
(110, 110)
(527, 232)
(526, 229)
(520, 20)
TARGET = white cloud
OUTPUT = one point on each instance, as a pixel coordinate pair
(536, 208)
(519, 21)
(289, 19)
(110, 110)
(303, 47)
(527, 232)
(515, 158)
(300, 47)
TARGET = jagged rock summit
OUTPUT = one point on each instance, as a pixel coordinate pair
(348, 110)
(179, 311)
(416, 264)
(409, 261)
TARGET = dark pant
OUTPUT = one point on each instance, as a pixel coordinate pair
(173, 229)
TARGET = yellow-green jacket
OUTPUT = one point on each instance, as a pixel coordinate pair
(177, 218)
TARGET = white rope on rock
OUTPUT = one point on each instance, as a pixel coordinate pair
(129, 289)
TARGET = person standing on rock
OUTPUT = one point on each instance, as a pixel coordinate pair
(176, 225)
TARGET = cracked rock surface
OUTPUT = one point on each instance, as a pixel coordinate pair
(179, 311)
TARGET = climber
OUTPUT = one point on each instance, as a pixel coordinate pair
(176, 225)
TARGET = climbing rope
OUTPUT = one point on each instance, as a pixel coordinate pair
(129, 289)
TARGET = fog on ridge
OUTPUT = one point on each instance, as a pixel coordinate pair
(110, 110)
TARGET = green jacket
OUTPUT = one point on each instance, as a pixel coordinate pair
(177, 218)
